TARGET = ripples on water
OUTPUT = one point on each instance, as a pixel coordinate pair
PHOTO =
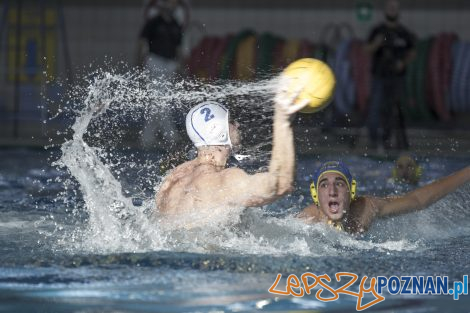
(78, 230)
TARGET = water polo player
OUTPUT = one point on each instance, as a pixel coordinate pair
(335, 201)
(406, 170)
(204, 189)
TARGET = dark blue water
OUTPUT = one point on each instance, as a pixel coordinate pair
(51, 261)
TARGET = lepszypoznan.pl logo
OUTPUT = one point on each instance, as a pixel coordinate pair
(403, 285)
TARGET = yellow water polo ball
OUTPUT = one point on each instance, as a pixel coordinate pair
(318, 80)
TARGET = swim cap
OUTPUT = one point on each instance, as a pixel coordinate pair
(207, 125)
(333, 167)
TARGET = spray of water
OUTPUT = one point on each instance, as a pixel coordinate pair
(110, 174)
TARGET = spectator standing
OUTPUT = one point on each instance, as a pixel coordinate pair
(392, 47)
(161, 35)
(158, 52)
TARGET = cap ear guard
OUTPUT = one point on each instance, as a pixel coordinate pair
(314, 194)
(353, 189)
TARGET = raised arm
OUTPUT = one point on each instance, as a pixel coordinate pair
(423, 197)
(282, 164)
(264, 188)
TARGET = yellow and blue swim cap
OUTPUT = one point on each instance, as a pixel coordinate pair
(332, 167)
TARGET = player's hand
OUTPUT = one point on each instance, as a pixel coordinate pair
(287, 98)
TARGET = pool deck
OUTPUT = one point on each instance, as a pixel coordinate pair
(309, 140)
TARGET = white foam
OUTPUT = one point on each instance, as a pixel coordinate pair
(114, 224)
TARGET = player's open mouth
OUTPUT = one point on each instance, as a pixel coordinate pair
(333, 206)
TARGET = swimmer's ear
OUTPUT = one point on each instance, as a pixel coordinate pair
(353, 189)
(314, 194)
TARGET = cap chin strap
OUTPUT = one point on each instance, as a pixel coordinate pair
(353, 189)
(313, 192)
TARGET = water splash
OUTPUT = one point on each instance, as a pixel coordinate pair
(110, 175)
(114, 222)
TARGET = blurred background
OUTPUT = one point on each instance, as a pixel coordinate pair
(46, 46)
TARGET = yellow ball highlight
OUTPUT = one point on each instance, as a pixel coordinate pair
(318, 80)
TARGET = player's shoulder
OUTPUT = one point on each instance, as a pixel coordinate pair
(311, 213)
(363, 204)
(233, 171)
(234, 176)
(369, 205)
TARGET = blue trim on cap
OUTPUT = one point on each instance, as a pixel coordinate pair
(193, 125)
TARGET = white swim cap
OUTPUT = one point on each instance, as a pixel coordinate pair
(207, 125)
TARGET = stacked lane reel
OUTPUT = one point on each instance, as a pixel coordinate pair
(460, 83)
(439, 73)
(361, 74)
(317, 79)
(417, 108)
(346, 91)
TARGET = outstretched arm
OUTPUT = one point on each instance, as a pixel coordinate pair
(424, 196)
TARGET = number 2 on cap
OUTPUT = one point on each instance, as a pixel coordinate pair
(208, 116)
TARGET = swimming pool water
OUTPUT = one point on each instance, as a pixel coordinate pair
(75, 234)
(50, 262)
